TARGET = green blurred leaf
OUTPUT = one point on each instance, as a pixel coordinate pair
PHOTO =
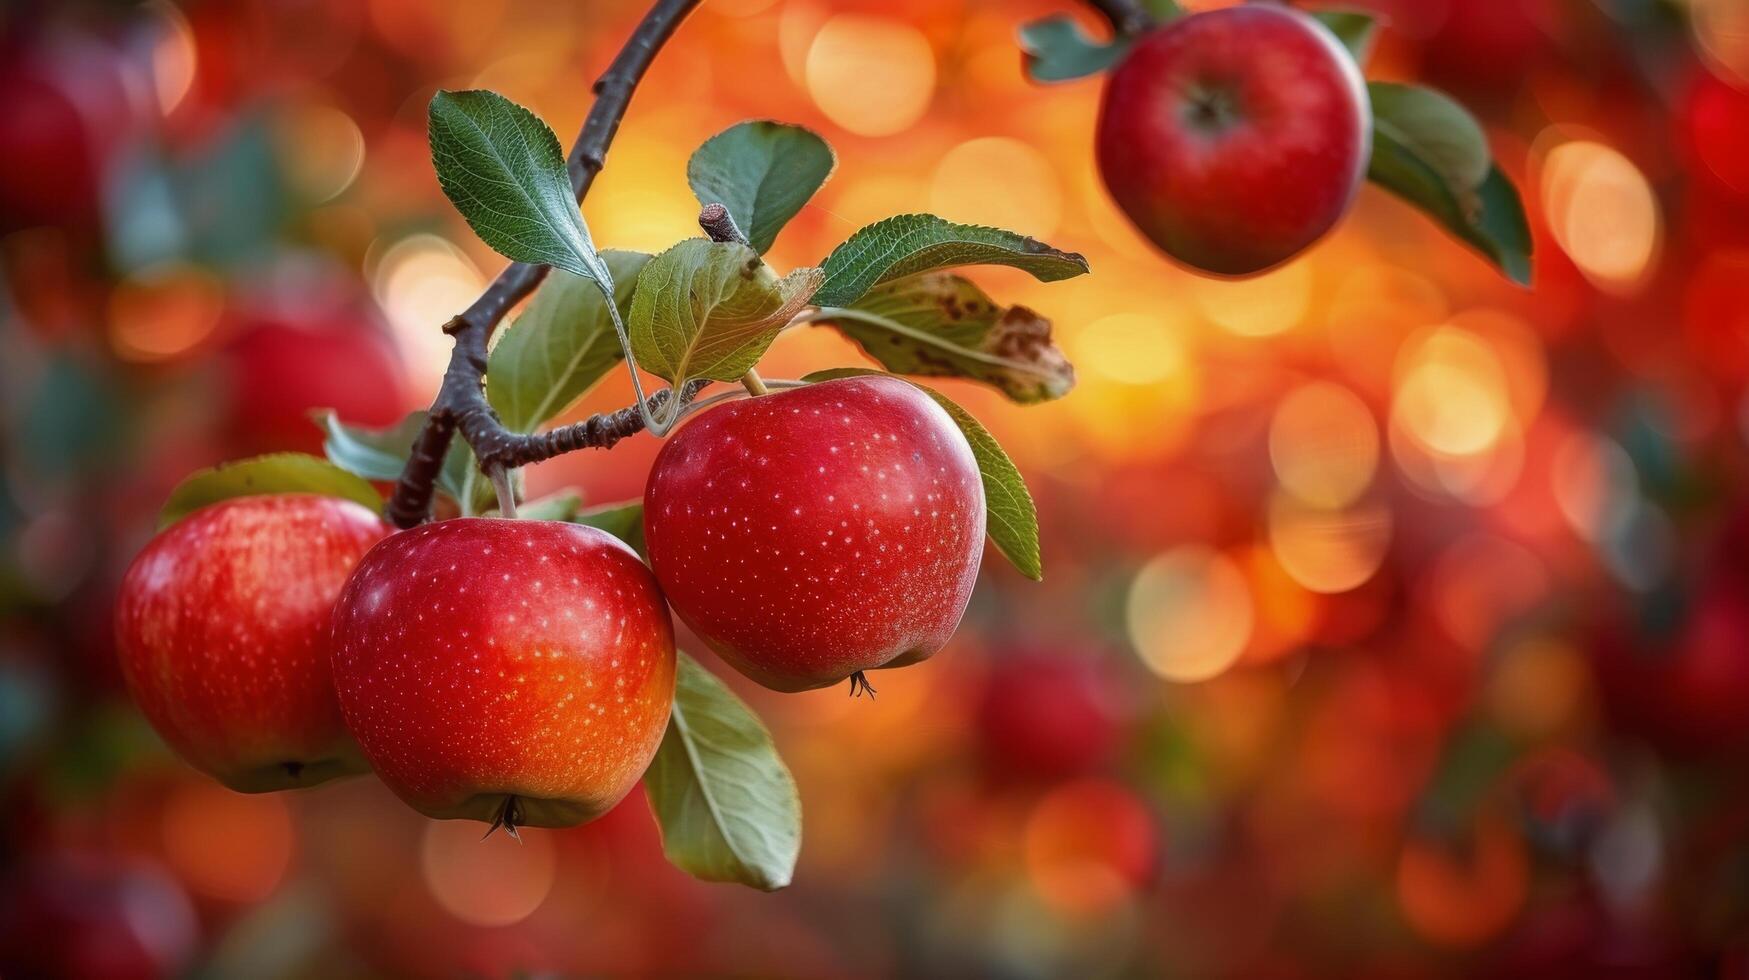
(1488, 215)
(1055, 49)
(275, 473)
(380, 454)
(1356, 29)
(561, 506)
(624, 521)
(708, 309)
(763, 172)
(1011, 520)
(560, 346)
(940, 324)
(727, 805)
(913, 243)
(504, 171)
(1163, 10)
(1436, 130)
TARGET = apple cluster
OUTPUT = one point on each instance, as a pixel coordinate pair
(522, 671)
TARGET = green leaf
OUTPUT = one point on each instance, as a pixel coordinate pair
(1435, 129)
(1163, 10)
(624, 521)
(708, 309)
(1011, 519)
(1055, 49)
(275, 473)
(912, 243)
(561, 506)
(560, 346)
(380, 454)
(1488, 216)
(1356, 30)
(942, 325)
(763, 172)
(727, 805)
(504, 171)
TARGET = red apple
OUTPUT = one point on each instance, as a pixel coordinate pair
(307, 339)
(815, 533)
(1049, 715)
(1235, 138)
(76, 915)
(222, 627)
(68, 108)
(519, 672)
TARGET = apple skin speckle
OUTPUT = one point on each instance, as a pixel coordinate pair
(478, 659)
(812, 533)
(222, 627)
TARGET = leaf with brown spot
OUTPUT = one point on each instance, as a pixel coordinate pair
(942, 325)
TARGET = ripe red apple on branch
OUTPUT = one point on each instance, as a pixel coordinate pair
(223, 630)
(1235, 139)
(813, 534)
(517, 672)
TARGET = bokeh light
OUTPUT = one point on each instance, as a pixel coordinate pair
(1602, 211)
(495, 883)
(1190, 613)
(1324, 444)
(874, 76)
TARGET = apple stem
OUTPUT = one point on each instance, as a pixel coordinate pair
(506, 493)
(754, 384)
(859, 683)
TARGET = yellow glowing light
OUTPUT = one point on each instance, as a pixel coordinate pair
(998, 181)
(494, 882)
(1451, 393)
(1132, 348)
(871, 75)
(225, 845)
(1190, 613)
(1602, 212)
(1259, 307)
(321, 148)
(1595, 484)
(173, 55)
(421, 281)
(159, 313)
(1328, 551)
(1324, 444)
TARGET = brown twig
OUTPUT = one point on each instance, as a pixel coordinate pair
(1126, 16)
(461, 399)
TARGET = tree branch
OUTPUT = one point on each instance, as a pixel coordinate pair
(1126, 16)
(461, 399)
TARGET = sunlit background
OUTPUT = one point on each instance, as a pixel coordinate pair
(1395, 619)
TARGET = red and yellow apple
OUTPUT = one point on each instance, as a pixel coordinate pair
(222, 628)
(812, 534)
(518, 672)
(1235, 138)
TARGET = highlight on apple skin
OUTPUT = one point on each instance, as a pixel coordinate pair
(811, 534)
(517, 672)
(1235, 138)
(223, 632)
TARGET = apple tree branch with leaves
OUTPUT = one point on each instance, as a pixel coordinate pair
(516, 664)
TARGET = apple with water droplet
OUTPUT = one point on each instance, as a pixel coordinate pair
(814, 533)
(1235, 138)
(516, 672)
(222, 628)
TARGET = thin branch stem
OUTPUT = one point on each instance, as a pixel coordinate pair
(461, 399)
(1126, 16)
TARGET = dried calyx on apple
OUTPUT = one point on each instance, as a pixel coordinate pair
(516, 664)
